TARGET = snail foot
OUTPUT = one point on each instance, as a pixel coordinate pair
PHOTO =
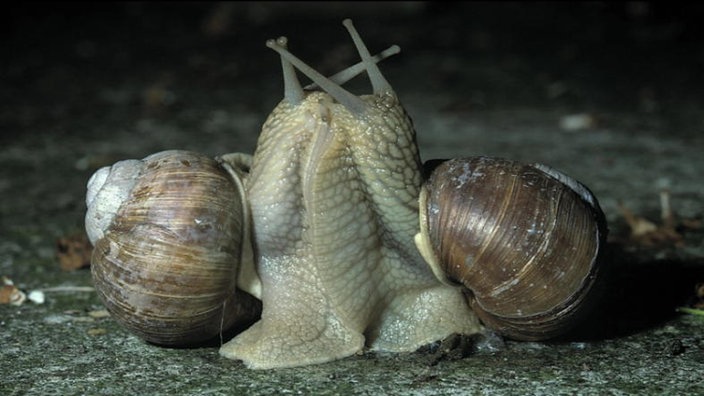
(318, 340)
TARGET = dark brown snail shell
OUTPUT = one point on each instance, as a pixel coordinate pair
(524, 240)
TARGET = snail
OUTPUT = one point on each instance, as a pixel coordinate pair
(333, 191)
(334, 211)
(171, 242)
(524, 241)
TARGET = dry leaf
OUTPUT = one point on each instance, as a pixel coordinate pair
(10, 294)
(578, 122)
(73, 252)
(98, 314)
(646, 232)
(97, 331)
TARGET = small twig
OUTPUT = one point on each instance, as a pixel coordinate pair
(691, 311)
(67, 289)
(666, 214)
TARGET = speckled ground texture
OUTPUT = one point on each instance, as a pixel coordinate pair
(85, 85)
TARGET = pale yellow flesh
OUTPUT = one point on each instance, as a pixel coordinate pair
(334, 202)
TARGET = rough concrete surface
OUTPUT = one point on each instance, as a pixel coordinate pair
(84, 85)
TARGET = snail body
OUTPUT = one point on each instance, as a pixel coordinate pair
(169, 235)
(333, 190)
(523, 240)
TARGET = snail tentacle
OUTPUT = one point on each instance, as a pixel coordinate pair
(358, 68)
(379, 84)
(292, 87)
(353, 103)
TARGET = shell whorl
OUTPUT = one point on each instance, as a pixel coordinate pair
(169, 234)
(523, 242)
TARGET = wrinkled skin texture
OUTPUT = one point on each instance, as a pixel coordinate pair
(333, 197)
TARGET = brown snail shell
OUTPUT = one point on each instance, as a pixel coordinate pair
(170, 234)
(524, 240)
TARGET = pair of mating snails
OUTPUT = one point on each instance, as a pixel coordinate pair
(338, 233)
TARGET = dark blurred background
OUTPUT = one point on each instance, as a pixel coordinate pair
(90, 62)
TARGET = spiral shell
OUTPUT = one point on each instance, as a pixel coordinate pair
(169, 235)
(524, 240)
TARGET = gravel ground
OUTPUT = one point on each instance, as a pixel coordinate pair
(85, 85)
